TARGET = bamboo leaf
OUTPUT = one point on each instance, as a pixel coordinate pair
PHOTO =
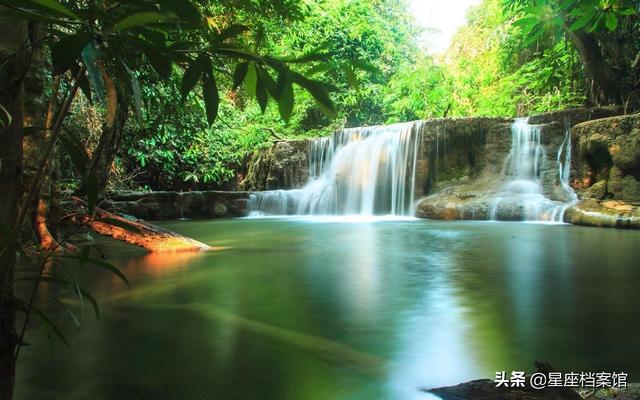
(251, 79)
(286, 101)
(352, 78)
(318, 92)
(261, 94)
(52, 6)
(67, 50)
(239, 74)
(211, 96)
(191, 77)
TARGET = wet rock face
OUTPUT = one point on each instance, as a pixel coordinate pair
(608, 213)
(606, 162)
(174, 205)
(282, 166)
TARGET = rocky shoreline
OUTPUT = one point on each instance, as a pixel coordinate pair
(459, 170)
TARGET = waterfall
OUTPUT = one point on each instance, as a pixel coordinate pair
(523, 197)
(356, 171)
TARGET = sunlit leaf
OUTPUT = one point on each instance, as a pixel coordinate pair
(611, 21)
(583, 20)
(251, 79)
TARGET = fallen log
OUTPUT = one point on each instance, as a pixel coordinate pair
(134, 231)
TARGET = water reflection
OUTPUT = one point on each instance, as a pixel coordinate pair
(377, 309)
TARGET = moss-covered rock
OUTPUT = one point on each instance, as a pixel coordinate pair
(608, 156)
(282, 166)
(612, 214)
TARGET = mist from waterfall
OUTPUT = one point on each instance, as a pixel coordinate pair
(523, 197)
(356, 171)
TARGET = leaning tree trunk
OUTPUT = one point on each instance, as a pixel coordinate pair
(602, 78)
(13, 41)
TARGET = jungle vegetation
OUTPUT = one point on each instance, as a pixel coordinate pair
(172, 94)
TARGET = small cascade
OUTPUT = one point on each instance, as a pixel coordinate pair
(523, 197)
(356, 171)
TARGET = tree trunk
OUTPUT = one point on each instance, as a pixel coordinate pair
(602, 77)
(38, 114)
(104, 154)
(134, 231)
(13, 40)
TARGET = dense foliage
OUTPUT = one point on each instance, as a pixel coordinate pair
(511, 58)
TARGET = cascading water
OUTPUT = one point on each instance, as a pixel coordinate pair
(522, 197)
(357, 171)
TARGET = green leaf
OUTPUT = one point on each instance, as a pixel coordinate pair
(191, 76)
(211, 96)
(141, 19)
(239, 74)
(352, 78)
(526, 23)
(90, 57)
(583, 20)
(366, 66)
(67, 50)
(160, 63)
(627, 11)
(251, 79)
(318, 92)
(185, 10)
(233, 30)
(52, 6)
(286, 101)
(261, 94)
(96, 262)
(567, 4)
(611, 21)
(267, 81)
(534, 35)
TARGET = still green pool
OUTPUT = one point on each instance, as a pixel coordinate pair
(320, 309)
